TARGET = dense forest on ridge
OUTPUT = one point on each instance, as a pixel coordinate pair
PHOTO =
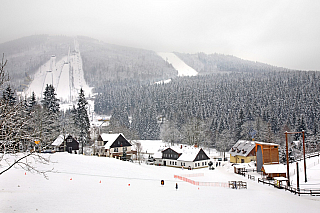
(219, 109)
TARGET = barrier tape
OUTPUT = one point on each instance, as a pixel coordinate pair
(197, 183)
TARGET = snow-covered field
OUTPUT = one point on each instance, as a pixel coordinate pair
(182, 68)
(98, 184)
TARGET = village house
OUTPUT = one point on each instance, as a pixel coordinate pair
(243, 152)
(188, 158)
(194, 159)
(115, 146)
(168, 157)
(68, 144)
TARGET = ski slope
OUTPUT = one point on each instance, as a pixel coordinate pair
(66, 75)
(182, 68)
(99, 184)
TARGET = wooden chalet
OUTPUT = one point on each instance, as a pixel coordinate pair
(68, 144)
(243, 152)
(267, 153)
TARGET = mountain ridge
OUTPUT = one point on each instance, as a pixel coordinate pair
(104, 62)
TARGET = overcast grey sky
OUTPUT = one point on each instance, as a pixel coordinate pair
(279, 32)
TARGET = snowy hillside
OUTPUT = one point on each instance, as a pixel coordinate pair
(92, 184)
(182, 68)
(66, 75)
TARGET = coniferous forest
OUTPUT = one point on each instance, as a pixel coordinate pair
(219, 109)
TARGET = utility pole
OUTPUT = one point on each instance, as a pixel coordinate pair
(287, 157)
(298, 184)
(304, 155)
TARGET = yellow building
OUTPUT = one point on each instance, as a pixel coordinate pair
(243, 152)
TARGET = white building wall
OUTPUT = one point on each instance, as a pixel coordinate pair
(180, 164)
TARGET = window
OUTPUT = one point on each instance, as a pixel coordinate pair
(242, 160)
(198, 164)
(205, 163)
(184, 164)
(69, 140)
(115, 149)
(202, 164)
(124, 148)
(175, 163)
(195, 164)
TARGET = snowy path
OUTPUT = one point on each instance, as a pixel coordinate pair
(182, 68)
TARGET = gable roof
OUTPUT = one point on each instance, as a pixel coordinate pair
(242, 148)
(170, 149)
(274, 168)
(268, 144)
(58, 141)
(111, 138)
(191, 155)
(187, 157)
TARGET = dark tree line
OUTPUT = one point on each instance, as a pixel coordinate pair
(220, 109)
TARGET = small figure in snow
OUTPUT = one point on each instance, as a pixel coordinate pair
(176, 186)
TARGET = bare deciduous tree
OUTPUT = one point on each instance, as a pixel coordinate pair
(17, 130)
(138, 147)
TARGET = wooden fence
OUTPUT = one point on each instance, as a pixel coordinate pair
(237, 184)
(315, 154)
(312, 192)
(251, 177)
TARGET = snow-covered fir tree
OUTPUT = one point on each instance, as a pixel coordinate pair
(8, 96)
(49, 123)
(82, 120)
